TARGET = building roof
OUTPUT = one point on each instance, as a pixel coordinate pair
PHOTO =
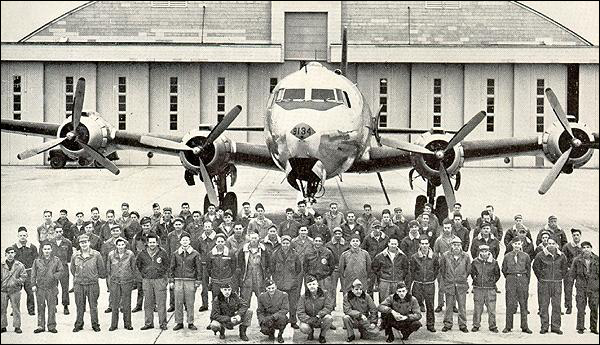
(426, 23)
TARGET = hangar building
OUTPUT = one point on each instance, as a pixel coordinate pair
(168, 66)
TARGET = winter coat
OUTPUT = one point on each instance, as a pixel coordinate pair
(270, 245)
(261, 227)
(407, 306)
(333, 221)
(374, 246)
(571, 252)
(354, 264)
(221, 266)
(311, 305)
(548, 267)
(64, 251)
(528, 247)
(46, 273)
(13, 278)
(522, 266)
(285, 268)
(302, 247)
(337, 249)
(95, 242)
(25, 254)
(223, 309)
(173, 241)
(386, 270)
(87, 270)
(108, 246)
(586, 280)
(321, 230)
(485, 274)
(155, 266)
(289, 227)
(276, 305)
(464, 234)
(491, 241)
(558, 235)
(424, 268)
(242, 261)
(204, 244)
(357, 306)
(319, 263)
(455, 272)
(358, 229)
(185, 265)
(392, 231)
(121, 270)
(410, 245)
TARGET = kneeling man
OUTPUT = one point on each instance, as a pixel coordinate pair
(400, 311)
(314, 310)
(272, 311)
(229, 310)
(360, 312)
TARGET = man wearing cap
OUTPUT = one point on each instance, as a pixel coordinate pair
(13, 278)
(47, 226)
(153, 264)
(286, 269)
(333, 217)
(487, 218)
(400, 311)
(204, 244)
(526, 242)
(121, 271)
(351, 227)
(220, 265)
(571, 250)
(87, 266)
(337, 246)
(485, 237)
(400, 221)
(424, 268)
(555, 232)
(359, 312)
(76, 229)
(485, 273)
(289, 226)
(516, 268)
(260, 224)
(586, 273)
(514, 231)
(455, 267)
(186, 272)
(550, 268)
(62, 248)
(47, 270)
(164, 226)
(319, 263)
(443, 244)
(252, 267)
(390, 267)
(314, 310)
(94, 240)
(319, 228)
(273, 306)
(459, 230)
(304, 216)
(64, 222)
(374, 243)
(272, 241)
(229, 310)
(389, 228)
(26, 253)
(108, 246)
(355, 263)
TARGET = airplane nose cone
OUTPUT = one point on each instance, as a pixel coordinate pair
(302, 131)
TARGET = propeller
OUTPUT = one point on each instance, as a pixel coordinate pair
(440, 154)
(197, 151)
(574, 142)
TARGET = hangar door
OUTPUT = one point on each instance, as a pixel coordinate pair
(306, 36)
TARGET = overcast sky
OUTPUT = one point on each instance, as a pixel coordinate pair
(20, 18)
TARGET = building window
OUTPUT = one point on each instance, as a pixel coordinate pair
(272, 84)
(17, 100)
(447, 5)
(122, 104)
(437, 102)
(490, 108)
(173, 105)
(168, 4)
(220, 98)
(69, 96)
(383, 102)
(540, 106)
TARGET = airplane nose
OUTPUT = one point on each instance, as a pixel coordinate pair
(302, 131)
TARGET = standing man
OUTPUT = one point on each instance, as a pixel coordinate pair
(196, 226)
(153, 265)
(96, 221)
(246, 215)
(400, 311)
(186, 277)
(47, 227)
(93, 239)
(185, 213)
(319, 263)
(87, 267)
(125, 219)
(62, 248)
(555, 231)
(45, 274)
(485, 273)
(424, 268)
(121, 272)
(165, 226)
(260, 224)
(319, 228)
(337, 246)
(76, 229)
(304, 215)
(585, 272)
(235, 242)
(365, 219)
(410, 244)
(228, 311)
(459, 230)
(485, 237)
(26, 253)
(571, 250)
(252, 268)
(131, 226)
(156, 214)
(333, 217)
(289, 226)
(272, 242)
(286, 270)
(514, 231)
(204, 245)
(526, 242)
(441, 246)
(272, 310)
(374, 244)
(465, 222)
(550, 268)
(303, 245)
(220, 266)
(314, 310)
(13, 278)
(494, 222)
(516, 268)
(389, 228)
(64, 222)
(400, 221)
(351, 227)
(455, 267)
(355, 264)
(226, 228)
(390, 267)
(359, 312)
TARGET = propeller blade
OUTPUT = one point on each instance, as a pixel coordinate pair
(210, 189)
(222, 126)
(556, 169)
(78, 103)
(405, 146)
(42, 148)
(98, 157)
(465, 130)
(558, 110)
(448, 190)
(164, 143)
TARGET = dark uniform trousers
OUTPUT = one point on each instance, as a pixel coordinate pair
(424, 292)
(205, 288)
(517, 293)
(30, 295)
(293, 297)
(549, 293)
(47, 297)
(405, 327)
(140, 294)
(583, 299)
(91, 292)
(568, 282)
(278, 322)
(120, 300)
(64, 285)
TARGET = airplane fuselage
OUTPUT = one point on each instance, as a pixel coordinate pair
(316, 124)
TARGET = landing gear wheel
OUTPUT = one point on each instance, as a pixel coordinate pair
(58, 162)
(230, 203)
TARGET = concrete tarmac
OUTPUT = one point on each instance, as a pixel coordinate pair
(27, 191)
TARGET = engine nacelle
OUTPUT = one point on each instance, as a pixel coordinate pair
(556, 140)
(428, 166)
(93, 130)
(215, 156)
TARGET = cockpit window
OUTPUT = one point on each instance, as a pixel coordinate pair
(288, 95)
(323, 95)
